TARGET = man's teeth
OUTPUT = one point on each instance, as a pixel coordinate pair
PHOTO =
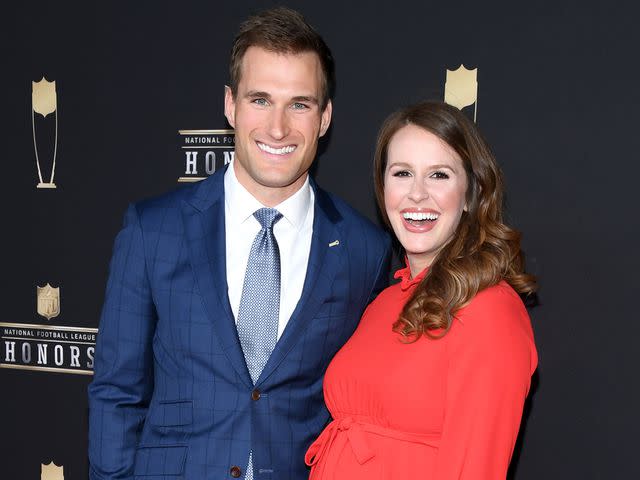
(276, 151)
(418, 216)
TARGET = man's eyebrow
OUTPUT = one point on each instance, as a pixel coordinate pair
(306, 98)
(298, 98)
(257, 94)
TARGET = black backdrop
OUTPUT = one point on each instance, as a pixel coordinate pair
(557, 99)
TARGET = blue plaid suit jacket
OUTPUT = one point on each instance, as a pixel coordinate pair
(171, 396)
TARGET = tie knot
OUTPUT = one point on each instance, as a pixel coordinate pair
(267, 217)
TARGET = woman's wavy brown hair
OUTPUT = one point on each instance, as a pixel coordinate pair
(483, 250)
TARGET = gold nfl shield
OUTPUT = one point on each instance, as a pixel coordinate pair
(48, 301)
(461, 88)
(44, 100)
(51, 471)
(43, 97)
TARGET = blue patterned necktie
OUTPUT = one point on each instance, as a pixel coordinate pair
(260, 301)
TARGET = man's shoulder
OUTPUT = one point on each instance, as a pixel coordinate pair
(350, 218)
(170, 199)
(198, 194)
(166, 206)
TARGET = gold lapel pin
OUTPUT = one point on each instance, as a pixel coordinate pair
(334, 243)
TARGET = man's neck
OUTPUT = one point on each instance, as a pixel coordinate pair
(270, 196)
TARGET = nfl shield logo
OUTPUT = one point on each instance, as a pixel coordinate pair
(51, 472)
(43, 97)
(461, 87)
(48, 301)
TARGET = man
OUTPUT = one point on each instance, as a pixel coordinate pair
(227, 299)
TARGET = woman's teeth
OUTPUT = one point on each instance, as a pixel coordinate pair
(420, 216)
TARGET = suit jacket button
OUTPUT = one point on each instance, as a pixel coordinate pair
(255, 395)
(235, 471)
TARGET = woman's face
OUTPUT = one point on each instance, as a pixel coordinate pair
(424, 193)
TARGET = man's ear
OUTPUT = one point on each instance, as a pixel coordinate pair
(229, 106)
(325, 119)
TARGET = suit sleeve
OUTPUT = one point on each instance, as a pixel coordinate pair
(382, 270)
(491, 359)
(123, 372)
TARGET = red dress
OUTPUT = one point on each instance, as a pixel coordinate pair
(446, 409)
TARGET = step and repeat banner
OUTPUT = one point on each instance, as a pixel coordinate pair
(112, 103)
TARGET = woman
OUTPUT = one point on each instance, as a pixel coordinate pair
(433, 381)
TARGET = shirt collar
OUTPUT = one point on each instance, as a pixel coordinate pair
(241, 204)
(404, 274)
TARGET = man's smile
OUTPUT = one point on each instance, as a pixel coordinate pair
(276, 151)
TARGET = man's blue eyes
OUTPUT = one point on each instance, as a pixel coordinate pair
(296, 106)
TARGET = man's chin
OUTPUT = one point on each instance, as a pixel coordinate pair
(282, 183)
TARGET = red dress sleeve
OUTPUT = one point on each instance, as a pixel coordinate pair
(491, 356)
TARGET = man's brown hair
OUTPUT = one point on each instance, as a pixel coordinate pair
(281, 30)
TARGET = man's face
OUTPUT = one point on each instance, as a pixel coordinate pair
(277, 120)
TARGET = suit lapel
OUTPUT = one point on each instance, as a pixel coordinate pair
(203, 216)
(324, 261)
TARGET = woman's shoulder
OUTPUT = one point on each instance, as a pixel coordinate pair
(495, 313)
(494, 328)
(500, 298)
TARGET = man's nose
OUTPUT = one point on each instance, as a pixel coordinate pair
(278, 124)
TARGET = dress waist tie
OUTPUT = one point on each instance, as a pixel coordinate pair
(355, 431)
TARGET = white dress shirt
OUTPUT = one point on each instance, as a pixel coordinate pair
(293, 233)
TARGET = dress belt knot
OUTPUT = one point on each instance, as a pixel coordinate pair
(356, 432)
